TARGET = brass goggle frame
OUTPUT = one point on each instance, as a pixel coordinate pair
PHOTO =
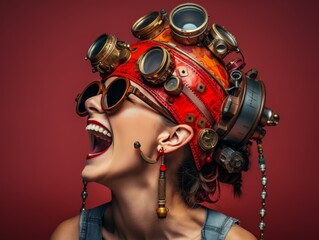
(220, 42)
(188, 23)
(150, 25)
(156, 65)
(106, 53)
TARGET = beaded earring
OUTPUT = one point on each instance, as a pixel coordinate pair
(84, 195)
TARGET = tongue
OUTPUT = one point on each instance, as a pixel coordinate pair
(100, 145)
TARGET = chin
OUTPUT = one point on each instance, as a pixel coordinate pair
(85, 175)
(89, 175)
(97, 174)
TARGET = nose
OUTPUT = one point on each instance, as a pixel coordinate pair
(93, 105)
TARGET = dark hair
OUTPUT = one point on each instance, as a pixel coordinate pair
(204, 185)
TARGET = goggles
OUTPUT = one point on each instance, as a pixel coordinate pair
(113, 96)
(107, 53)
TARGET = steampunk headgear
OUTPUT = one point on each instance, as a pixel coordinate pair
(183, 64)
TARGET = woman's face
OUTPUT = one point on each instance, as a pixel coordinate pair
(112, 137)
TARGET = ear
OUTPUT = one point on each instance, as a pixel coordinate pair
(175, 137)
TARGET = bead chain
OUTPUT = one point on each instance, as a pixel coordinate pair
(263, 195)
(84, 196)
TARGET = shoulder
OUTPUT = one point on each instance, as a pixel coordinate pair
(67, 230)
(239, 233)
(220, 220)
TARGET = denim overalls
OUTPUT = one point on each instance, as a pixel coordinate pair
(216, 225)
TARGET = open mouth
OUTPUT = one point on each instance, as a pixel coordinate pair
(100, 137)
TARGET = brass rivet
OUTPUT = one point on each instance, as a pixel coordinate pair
(190, 118)
(183, 71)
(200, 87)
(202, 122)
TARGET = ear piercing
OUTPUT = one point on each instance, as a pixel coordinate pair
(137, 145)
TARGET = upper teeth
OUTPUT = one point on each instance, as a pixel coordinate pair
(96, 128)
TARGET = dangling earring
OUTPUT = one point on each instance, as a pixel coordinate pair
(162, 210)
(137, 145)
(84, 195)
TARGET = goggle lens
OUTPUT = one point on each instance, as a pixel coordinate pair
(153, 61)
(92, 90)
(189, 18)
(114, 94)
(97, 46)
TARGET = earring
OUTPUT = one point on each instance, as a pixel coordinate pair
(84, 195)
(137, 145)
(162, 210)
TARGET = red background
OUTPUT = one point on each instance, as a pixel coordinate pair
(44, 144)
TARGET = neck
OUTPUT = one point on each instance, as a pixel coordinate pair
(133, 212)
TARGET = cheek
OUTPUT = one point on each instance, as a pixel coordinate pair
(123, 160)
(136, 124)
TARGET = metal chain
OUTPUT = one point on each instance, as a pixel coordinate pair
(263, 194)
(84, 196)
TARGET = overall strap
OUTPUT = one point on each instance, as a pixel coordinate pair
(91, 223)
(217, 225)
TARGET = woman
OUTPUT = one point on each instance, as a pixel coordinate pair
(169, 121)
